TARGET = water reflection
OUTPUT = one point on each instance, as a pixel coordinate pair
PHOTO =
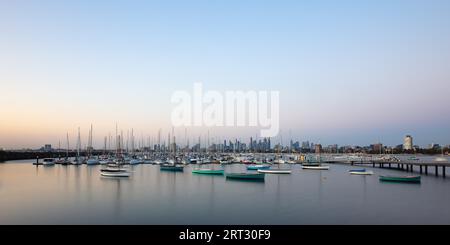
(116, 201)
(79, 195)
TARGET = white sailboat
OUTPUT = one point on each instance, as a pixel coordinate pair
(115, 170)
(91, 159)
(48, 162)
(78, 159)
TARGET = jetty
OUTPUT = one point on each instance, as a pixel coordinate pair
(408, 166)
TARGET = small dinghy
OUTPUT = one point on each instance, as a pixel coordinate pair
(246, 176)
(407, 179)
(208, 171)
(114, 172)
(258, 166)
(361, 172)
(316, 167)
(173, 168)
(275, 171)
(358, 170)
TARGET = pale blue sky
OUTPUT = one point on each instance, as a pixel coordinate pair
(349, 72)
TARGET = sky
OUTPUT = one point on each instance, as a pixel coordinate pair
(348, 72)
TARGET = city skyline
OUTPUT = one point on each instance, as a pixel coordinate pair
(349, 73)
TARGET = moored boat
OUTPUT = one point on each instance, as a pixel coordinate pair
(440, 159)
(170, 167)
(361, 172)
(245, 176)
(48, 162)
(357, 170)
(275, 171)
(208, 171)
(320, 167)
(136, 161)
(92, 161)
(115, 174)
(407, 179)
(63, 161)
(258, 166)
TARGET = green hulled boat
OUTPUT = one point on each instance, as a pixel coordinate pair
(174, 168)
(407, 179)
(246, 176)
(208, 171)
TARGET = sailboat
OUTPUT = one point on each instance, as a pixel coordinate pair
(134, 160)
(316, 166)
(66, 160)
(276, 171)
(78, 160)
(115, 169)
(48, 162)
(172, 164)
(210, 171)
(91, 160)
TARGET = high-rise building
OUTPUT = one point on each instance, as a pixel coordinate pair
(408, 143)
(318, 148)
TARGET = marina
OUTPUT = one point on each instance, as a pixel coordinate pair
(222, 193)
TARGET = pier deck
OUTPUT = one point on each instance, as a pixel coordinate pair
(408, 166)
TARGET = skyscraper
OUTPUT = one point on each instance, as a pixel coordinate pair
(408, 143)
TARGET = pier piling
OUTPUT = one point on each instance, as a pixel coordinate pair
(436, 170)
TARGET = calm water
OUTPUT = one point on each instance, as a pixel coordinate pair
(78, 195)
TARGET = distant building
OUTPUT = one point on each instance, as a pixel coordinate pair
(47, 148)
(377, 148)
(433, 146)
(408, 143)
(332, 148)
(318, 148)
(305, 145)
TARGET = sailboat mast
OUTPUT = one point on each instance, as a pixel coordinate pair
(67, 151)
(78, 143)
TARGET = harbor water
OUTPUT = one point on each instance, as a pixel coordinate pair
(79, 195)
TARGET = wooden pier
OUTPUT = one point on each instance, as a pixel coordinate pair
(408, 166)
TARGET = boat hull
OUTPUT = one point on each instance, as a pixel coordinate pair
(172, 168)
(357, 170)
(115, 174)
(275, 171)
(92, 162)
(316, 167)
(361, 172)
(208, 171)
(246, 176)
(256, 167)
(405, 179)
